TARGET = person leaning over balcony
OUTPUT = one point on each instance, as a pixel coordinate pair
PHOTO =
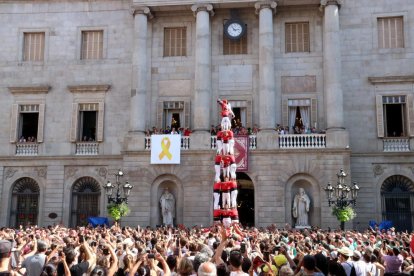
(255, 129)
(187, 132)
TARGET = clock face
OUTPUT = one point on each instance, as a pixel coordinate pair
(235, 29)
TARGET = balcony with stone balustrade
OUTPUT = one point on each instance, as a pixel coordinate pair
(87, 148)
(27, 149)
(286, 141)
(396, 144)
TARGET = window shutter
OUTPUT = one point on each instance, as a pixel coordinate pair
(314, 112)
(186, 114)
(41, 123)
(100, 126)
(13, 123)
(380, 116)
(74, 125)
(410, 117)
(285, 112)
(160, 112)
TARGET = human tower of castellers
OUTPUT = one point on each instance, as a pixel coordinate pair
(225, 184)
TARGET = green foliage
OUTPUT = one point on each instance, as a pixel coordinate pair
(344, 214)
(117, 211)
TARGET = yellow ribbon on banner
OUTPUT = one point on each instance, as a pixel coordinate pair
(165, 148)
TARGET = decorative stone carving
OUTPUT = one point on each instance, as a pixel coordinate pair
(102, 172)
(141, 10)
(265, 4)
(378, 170)
(10, 172)
(71, 172)
(41, 172)
(202, 7)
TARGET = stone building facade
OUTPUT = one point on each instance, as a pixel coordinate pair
(85, 79)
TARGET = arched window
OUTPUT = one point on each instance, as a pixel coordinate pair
(397, 197)
(85, 201)
(25, 202)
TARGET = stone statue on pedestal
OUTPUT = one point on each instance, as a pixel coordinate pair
(167, 202)
(300, 209)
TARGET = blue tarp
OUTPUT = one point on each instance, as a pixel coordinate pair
(385, 224)
(95, 221)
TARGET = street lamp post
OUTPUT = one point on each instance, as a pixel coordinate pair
(126, 187)
(342, 195)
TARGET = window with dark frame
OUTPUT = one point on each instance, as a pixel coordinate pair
(394, 108)
(24, 202)
(85, 201)
(28, 123)
(88, 117)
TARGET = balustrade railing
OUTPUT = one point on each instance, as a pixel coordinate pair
(252, 142)
(396, 144)
(302, 141)
(87, 148)
(27, 149)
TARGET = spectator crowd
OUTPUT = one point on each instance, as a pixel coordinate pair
(216, 250)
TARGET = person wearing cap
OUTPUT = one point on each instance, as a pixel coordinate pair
(359, 264)
(34, 264)
(5, 250)
(344, 254)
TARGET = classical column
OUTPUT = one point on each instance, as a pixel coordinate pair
(332, 65)
(269, 102)
(202, 79)
(139, 109)
(200, 139)
(138, 102)
(337, 137)
(269, 109)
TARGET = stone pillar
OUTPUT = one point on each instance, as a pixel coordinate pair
(200, 139)
(337, 137)
(138, 107)
(269, 101)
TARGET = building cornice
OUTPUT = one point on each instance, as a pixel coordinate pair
(29, 89)
(391, 79)
(89, 88)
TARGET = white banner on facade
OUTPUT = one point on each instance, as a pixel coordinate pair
(165, 149)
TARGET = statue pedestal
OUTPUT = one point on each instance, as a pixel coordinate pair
(302, 227)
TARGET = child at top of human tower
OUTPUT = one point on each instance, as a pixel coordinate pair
(226, 112)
